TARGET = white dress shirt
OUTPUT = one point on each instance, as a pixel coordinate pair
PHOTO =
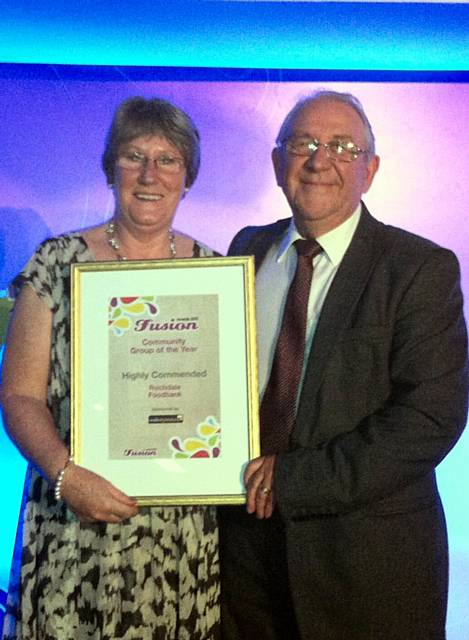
(273, 281)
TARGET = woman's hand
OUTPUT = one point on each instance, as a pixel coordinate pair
(258, 478)
(94, 499)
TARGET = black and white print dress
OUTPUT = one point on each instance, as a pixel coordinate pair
(153, 577)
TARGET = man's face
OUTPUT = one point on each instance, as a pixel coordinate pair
(322, 192)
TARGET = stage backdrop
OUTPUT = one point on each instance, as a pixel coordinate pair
(52, 135)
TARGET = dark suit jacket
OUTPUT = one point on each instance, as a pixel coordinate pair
(383, 401)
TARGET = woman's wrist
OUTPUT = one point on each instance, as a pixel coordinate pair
(60, 478)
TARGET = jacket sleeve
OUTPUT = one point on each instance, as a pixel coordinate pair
(394, 447)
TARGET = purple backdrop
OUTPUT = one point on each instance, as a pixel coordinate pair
(52, 136)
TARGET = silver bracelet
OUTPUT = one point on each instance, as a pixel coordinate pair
(60, 479)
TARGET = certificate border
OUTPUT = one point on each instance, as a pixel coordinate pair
(99, 272)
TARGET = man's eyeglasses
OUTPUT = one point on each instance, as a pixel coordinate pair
(337, 150)
(135, 161)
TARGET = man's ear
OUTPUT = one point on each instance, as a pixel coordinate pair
(277, 161)
(372, 168)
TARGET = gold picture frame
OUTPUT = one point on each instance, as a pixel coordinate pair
(164, 376)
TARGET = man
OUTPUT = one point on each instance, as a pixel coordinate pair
(345, 536)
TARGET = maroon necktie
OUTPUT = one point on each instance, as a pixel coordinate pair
(278, 407)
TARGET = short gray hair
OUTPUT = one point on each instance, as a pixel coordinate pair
(137, 117)
(325, 94)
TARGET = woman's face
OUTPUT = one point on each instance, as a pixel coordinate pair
(150, 177)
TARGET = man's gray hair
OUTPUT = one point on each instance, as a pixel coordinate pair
(325, 94)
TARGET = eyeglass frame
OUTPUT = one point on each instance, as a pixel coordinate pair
(142, 163)
(356, 152)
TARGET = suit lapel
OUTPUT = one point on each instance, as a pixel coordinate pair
(343, 295)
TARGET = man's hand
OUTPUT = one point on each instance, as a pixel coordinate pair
(258, 478)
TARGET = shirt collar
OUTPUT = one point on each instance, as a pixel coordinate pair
(334, 243)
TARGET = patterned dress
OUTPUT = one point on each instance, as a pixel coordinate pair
(153, 577)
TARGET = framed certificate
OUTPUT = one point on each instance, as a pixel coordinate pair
(164, 377)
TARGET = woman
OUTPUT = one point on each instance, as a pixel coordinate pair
(88, 563)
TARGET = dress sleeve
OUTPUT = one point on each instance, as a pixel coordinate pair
(43, 273)
(203, 251)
